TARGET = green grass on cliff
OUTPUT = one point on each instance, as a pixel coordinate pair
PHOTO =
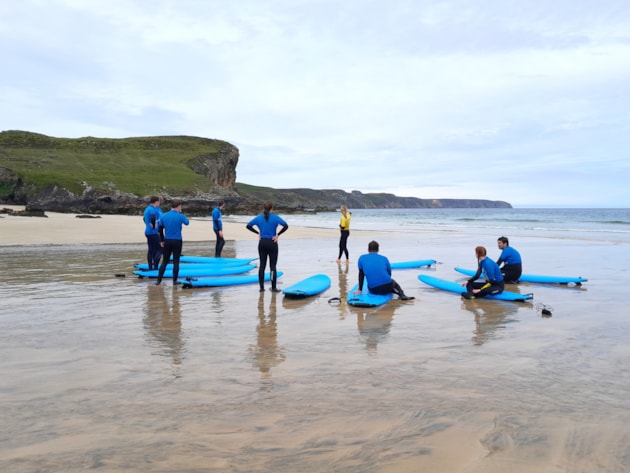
(260, 193)
(141, 166)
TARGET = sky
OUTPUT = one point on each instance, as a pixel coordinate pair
(526, 102)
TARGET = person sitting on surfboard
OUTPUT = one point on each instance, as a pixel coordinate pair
(378, 271)
(493, 283)
(512, 264)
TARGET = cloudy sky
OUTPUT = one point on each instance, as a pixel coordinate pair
(524, 101)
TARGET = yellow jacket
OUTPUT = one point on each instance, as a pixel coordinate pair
(344, 223)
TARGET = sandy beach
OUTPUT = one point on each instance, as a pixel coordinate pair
(61, 228)
(116, 374)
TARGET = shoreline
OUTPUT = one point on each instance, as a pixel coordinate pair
(61, 228)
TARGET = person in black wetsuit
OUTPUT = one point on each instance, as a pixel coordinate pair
(171, 235)
(344, 225)
(267, 223)
(489, 270)
(509, 261)
(151, 219)
(217, 226)
(378, 271)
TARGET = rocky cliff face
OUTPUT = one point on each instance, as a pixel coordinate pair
(219, 168)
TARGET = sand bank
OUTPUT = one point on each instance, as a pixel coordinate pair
(61, 228)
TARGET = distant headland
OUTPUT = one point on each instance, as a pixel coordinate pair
(116, 176)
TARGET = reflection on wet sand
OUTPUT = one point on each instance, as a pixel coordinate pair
(217, 305)
(163, 322)
(297, 303)
(490, 316)
(374, 325)
(267, 353)
(343, 287)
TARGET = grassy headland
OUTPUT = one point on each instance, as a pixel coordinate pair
(140, 166)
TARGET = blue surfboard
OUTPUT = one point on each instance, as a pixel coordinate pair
(223, 280)
(535, 278)
(186, 272)
(413, 264)
(455, 287)
(308, 287)
(366, 298)
(145, 266)
(211, 260)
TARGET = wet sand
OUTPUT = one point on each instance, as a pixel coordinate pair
(115, 374)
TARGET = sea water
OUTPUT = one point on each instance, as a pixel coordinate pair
(107, 373)
(561, 223)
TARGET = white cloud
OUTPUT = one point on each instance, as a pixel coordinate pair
(503, 101)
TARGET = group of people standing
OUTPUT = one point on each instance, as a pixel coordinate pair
(164, 239)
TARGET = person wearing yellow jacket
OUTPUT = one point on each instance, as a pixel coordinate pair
(344, 225)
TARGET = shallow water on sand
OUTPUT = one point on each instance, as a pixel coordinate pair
(114, 374)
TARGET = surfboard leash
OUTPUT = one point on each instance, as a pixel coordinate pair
(544, 309)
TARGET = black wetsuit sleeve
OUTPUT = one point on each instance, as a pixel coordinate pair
(361, 278)
(153, 220)
(161, 231)
(251, 229)
(477, 274)
(284, 229)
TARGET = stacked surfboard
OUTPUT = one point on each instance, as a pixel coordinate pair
(203, 271)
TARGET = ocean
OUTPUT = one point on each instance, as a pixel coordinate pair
(102, 372)
(551, 223)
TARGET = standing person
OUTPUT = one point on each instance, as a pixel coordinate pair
(512, 267)
(171, 236)
(344, 225)
(378, 271)
(151, 221)
(267, 223)
(217, 226)
(493, 283)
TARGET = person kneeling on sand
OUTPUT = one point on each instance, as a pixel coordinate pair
(378, 271)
